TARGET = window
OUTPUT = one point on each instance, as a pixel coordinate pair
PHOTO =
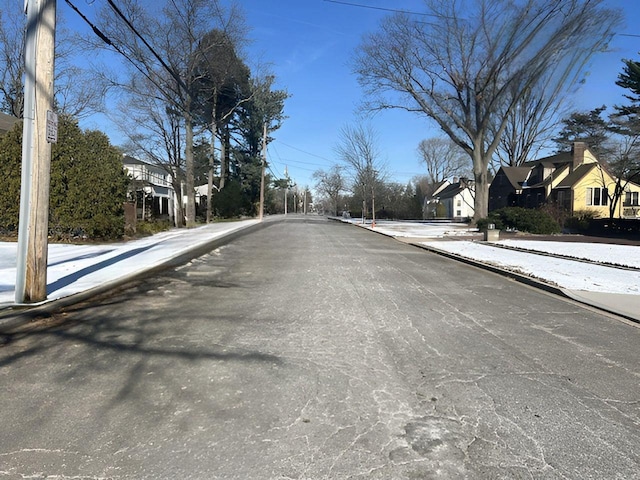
(631, 199)
(597, 197)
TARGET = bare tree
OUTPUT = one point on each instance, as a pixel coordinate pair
(623, 159)
(163, 47)
(11, 61)
(331, 184)
(468, 69)
(443, 158)
(75, 93)
(531, 123)
(155, 133)
(358, 150)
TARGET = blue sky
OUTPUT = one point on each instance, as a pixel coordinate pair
(308, 45)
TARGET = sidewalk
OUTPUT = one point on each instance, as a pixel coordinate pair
(603, 276)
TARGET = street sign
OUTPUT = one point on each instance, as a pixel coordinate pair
(52, 127)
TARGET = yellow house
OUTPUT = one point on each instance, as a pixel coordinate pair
(590, 188)
(574, 180)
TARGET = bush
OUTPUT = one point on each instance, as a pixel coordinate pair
(151, 227)
(580, 221)
(88, 184)
(521, 219)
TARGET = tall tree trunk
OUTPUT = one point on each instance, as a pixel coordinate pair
(178, 213)
(212, 156)
(190, 172)
(481, 176)
(226, 140)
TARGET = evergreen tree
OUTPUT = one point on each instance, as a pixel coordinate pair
(630, 80)
(88, 183)
(588, 127)
(10, 162)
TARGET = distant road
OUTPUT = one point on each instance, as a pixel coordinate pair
(316, 350)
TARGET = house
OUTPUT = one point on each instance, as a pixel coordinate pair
(575, 181)
(452, 200)
(7, 122)
(151, 187)
(431, 202)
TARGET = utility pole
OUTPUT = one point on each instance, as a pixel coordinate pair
(39, 131)
(373, 207)
(305, 201)
(286, 189)
(264, 164)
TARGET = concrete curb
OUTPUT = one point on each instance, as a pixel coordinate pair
(14, 317)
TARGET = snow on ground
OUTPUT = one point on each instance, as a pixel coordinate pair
(421, 229)
(77, 268)
(599, 252)
(567, 274)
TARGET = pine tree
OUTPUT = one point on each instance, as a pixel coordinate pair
(630, 79)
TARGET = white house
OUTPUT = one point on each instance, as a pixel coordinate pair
(453, 201)
(152, 187)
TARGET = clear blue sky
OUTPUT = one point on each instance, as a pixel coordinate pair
(308, 45)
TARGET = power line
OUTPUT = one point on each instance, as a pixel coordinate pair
(303, 151)
(175, 76)
(394, 10)
(107, 40)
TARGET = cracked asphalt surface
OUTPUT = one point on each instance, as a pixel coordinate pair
(315, 350)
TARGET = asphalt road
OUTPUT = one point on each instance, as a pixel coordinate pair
(317, 350)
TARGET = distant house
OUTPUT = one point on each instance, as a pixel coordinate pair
(430, 204)
(453, 201)
(575, 181)
(7, 122)
(151, 188)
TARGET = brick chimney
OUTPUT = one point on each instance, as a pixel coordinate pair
(577, 152)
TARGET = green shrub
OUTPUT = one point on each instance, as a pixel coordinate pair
(87, 189)
(521, 219)
(580, 221)
(151, 227)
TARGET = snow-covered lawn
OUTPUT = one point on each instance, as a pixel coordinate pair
(599, 252)
(77, 268)
(567, 274)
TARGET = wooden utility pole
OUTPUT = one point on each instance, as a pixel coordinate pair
(40, 131)
(264, 165)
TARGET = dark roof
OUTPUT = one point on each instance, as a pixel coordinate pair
(7, 122)
(128, 160)
(551, 161)
(452, 190)
(516, 175)
(575, 176)
(561, 168)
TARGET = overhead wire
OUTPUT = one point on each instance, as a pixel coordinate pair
(170, 70)
(394, 10)
(102, 36)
